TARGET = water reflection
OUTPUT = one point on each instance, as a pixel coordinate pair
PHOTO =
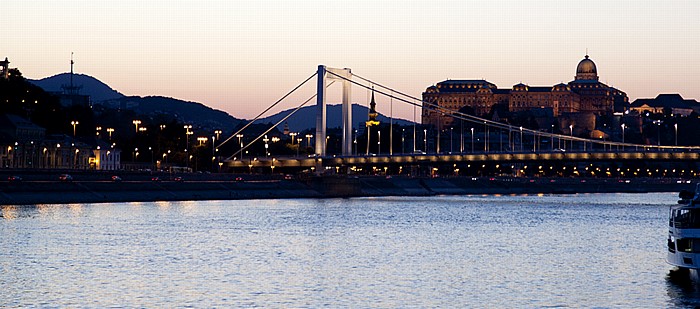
(682, 292)
(449, 251)
(9, 212)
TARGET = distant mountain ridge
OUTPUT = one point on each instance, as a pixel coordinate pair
(305, 118)
(197, 113)
(96, 89)
(103, 95)
(183, 111)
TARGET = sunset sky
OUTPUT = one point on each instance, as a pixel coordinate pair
(241, 56)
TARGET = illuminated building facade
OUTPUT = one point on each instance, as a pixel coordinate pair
(585, 94)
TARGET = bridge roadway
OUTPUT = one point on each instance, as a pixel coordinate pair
(440, 159)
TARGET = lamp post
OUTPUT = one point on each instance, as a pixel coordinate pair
(202, 140)
(461, 136)
(240, 142)
(97, 130)
(623, 133)
(521, 139)
(472, 140)
(299, 139)
(110, 131)
(355, 142)
(265, 139)
(551, 138)
(675, 126)
(293, 135)
(451, 141)
(403, 140)
(379, 142)
(136, 125)
(274, 140)
(425, 140)
(571, 132)
(308, 140)
(74, 123)
(187, 135)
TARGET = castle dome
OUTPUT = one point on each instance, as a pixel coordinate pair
(586, 70)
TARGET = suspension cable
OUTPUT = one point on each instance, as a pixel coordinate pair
(474, 119)
(266, 110)
(276, 124)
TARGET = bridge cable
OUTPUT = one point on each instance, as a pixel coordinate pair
(276, 124)
(475, 119)
(266, 110)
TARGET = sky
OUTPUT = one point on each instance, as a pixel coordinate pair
(242, 56)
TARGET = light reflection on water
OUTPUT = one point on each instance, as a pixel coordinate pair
(585, 250)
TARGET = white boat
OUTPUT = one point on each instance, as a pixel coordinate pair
(684, 234)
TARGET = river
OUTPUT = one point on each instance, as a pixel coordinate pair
(586, 250)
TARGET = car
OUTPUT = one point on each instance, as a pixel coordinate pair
(65, 177)
(239, 179)
(179, 179)
(14, 179)
(288, 177)
(116, 178)
(156, 179)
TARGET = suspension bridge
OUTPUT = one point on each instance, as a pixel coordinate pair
(485, 144)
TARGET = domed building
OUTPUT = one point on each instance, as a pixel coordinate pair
(585, 94)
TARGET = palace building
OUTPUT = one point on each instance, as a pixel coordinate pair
(585, 94)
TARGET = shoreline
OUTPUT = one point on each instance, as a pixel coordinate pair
(100, 191)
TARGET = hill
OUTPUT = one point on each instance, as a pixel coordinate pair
(104, 96)
(183, 111)
(305, 118)
(96, 89)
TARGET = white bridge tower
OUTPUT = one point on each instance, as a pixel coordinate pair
(343, 75)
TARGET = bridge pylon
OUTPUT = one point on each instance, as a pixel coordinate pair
(343, 75)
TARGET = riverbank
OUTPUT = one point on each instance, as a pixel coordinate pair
(100, 191)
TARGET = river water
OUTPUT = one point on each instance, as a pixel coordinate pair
(588, 250)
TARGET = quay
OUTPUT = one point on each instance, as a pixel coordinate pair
(140, 188)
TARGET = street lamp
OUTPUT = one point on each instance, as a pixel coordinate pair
(110, 130)
(202, 140)
(623, 133)
(379, 142)
(403, 139)
(293, 135)
(266, 145)
(425, 140)
(521, 139)
(98, 131)
(472, 140)
(187, 135)
(74, 123)
(571, 130)
(240, 142)
(355, 142)
(162, 126)
(451, 141)
(308, 139)
(675, 126)
(136, 125)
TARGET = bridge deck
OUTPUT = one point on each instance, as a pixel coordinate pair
(419, 159)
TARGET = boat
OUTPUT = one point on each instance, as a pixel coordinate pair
(684, 234)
